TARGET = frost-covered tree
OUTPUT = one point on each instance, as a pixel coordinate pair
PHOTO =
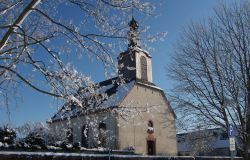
(212, 68)
(34, 141)
(38, 41)
(39, 136)
(25, 129)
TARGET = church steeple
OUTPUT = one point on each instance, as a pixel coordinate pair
(135, 63)
(133, 34)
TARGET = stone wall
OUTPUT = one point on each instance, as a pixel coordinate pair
(78, 156)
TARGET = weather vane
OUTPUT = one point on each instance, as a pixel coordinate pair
(132, 10)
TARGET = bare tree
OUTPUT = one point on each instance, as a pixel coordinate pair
(36, 38)
(211, 67)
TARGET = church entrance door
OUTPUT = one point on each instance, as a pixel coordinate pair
(85, 136)
(151, 149)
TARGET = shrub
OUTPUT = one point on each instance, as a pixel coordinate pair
(7, 136)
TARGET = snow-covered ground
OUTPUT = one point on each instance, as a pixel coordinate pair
(83, 156)
(70, 154)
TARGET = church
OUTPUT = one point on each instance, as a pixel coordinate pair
(127, 112)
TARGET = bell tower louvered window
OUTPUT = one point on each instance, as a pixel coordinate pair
(144, 73)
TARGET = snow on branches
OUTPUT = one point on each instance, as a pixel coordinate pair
(38, 40)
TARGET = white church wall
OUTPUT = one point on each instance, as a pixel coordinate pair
(92, 121)
(150, 105)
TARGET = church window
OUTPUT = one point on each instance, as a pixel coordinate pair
(150, 123)
(85, 132)
(102, 134)
(102, 126)
(144, 75)
(150, 127)
(69, 135)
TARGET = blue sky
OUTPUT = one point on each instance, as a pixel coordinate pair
(173, 16)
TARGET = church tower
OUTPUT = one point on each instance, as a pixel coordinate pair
(135, 63)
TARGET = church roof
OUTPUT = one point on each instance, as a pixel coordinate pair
(114, 91)
(111, 92)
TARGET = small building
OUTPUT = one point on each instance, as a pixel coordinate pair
(125, 112)
(207, 142)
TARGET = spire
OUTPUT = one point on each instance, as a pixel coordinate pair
(133, 34)
(133, 24)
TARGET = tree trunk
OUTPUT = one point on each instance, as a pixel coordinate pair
(247, 145)
(247, 132)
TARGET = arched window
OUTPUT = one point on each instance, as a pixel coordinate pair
(85, 132)
(150, 123)
(150, 127)
(102, 134)
(69, 135)
(144, 73)
(102, 126)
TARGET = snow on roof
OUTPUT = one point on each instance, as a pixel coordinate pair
(112, 92)
(141, 50)
(136, 49)
(150, 85)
